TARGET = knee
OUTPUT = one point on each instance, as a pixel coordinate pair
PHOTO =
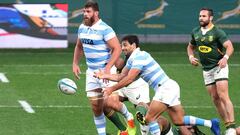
(223, 97)
(112, 102)
(97, 110)
(178, 122)
(215, 98)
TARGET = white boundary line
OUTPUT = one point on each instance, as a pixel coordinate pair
(78, 106)
(3, 78)
(37, 65)
(27, 107)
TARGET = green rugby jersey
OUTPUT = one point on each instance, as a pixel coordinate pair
(209, 46)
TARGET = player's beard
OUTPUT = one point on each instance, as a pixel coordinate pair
(88, 21)
(204, 23)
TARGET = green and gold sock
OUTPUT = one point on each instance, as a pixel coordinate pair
(113, 116)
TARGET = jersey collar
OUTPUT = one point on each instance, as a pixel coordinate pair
(97, 23)
(135, 52)
(204, 31)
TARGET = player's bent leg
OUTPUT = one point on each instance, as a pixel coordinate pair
(155, 110)
(114, 103)
(177, 115)
(130, 120)
(115, 119)
(163, 123)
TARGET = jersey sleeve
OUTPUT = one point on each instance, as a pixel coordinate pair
(192, 41)
(108, 34)
(129, 64)
(137, 63)
(222, 36)
(80, 29)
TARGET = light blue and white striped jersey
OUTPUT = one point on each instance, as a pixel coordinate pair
(95, 48)
(150, 70)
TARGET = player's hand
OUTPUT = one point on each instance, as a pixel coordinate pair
(76, 70)
(100, 74)
(222, 62)
(107, 92)
(194, 61)
(106, 71)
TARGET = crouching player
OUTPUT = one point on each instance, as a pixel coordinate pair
(136, 92)
(167, 91)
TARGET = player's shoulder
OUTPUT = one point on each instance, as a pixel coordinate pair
(82, 25)
(81, 28)
(196, 29)
(142, 55)
(103, 24)
(217, 29)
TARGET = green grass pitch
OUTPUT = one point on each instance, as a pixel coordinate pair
(33, 76)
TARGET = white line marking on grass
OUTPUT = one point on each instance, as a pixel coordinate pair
(45, 73)
(70, 73)
(36, 65)
(78, 106)
(27, 107)
(3, 78)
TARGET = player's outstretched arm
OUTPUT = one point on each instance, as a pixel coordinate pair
(113, 77)
(78, 53)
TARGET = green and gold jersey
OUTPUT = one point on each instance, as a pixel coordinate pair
(209, 46)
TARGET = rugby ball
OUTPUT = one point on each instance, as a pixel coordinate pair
(67, 86)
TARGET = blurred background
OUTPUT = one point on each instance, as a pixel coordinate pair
(154, 21)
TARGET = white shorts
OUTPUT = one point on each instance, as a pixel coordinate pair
(93, 83)
(215, 74)
(168, 93)
(136, 92)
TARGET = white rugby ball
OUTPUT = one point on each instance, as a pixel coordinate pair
(67, 86)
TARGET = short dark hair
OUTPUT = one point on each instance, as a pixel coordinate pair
(210, 11)
(93, 5)
(131, 39)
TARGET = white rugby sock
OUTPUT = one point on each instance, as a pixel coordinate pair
(125, 112)
(100, 123)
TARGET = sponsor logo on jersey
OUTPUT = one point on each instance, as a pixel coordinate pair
(87, 41)
(210, 38)
(203, 38)
(204, 49)
(196, 38)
